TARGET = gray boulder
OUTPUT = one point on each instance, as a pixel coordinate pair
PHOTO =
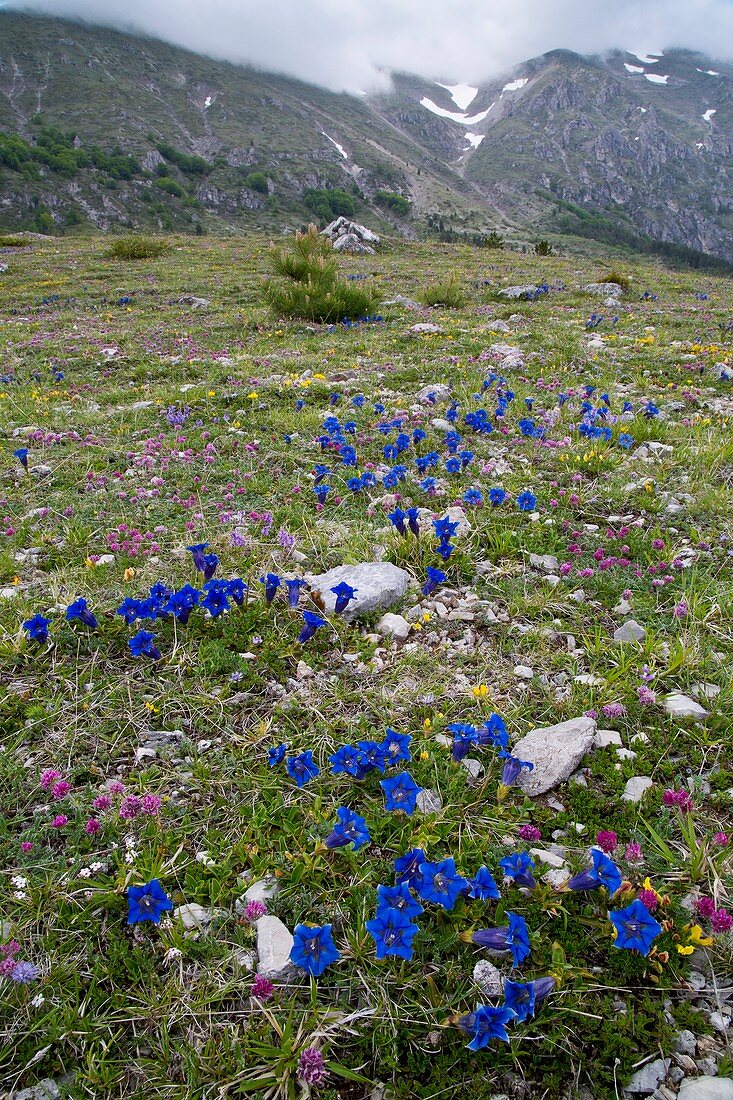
(556, 751)
(378, 586)
(646, 1079)
(681, 706)
(518, 292)
(342, 227)
(349, 242)
(433, 391)
(44, 1090)
(605, 290)
(636, 787)
(630, 631)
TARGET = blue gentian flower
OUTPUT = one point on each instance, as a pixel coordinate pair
(512, 768)
(355, 484)
(402, 442)
(313, 949)
(453, 465)
(147, 902)
(650, 410)
(496, 497)
(372, 756)
(466, 458)
(636, 928)
(412, 516)
(21, 453)
(393, 933)
(445, 549)
(396, 747)
(37, 628)
(519, 867)
(378, 408)
(79, 610)
(344, 594)
(445, 528)
(236, 590)
(473, 497)
(215, 601)
(418, 435)
(333, 399)
(398, 897)
(311, 622)
(434, 578)
(526, 501)
(407, 867)
(513, 937)
(160, 593)
(181, 603)
(302, 768)
(428, 484)
(319, 473)
(465, 737)
(272, 583)
(294, 586)
(401, 792)
(321, 492)
(451, 414)
(524, 998)
(358, 400)
(604, 872)
(483, 885)
(390, 451)
(211, 562)
(143, 645)
(625, 440)
(440, 883)
(197, 553)
(452, 439)
(276, 754)
(346, 760)
(130, 610)
(350, 828)
(368, 479)
(494, 732)
(485, 1024)
(347, 454)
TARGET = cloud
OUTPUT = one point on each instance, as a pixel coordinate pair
(351, 44)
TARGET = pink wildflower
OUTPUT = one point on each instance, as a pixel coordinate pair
(262, 989)
(530, 832)
(720, 921)
(92, 826)
(59, 821)
(254, 910)
(151, 804)
(607, 841)
(49, 777)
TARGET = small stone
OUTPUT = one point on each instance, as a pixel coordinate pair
(194, 915)
(556, 751)
(474, 768)
(696, 980)
(244, 960)
(394, 626)
(544, 561)
(635, 788)
(687, 1065)
(262, 890)
(604, 738)
(681, 706)
(523, 672)
(489, 978)
(44, 1090)
(556, 877)
(378, 586)
(550, 858)
(685, 1043)
(719, 1022)
(646, 1079)
(708, 1067)
(274, 944)
(630, 631)
(425, 328)
(429, 802)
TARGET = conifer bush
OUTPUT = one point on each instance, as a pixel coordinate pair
(313, 289)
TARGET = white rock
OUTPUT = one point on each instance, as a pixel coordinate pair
(457, 515)
(681, 706)
(262, 890)
(555, 752)
(548, 562)
(706, 1088)
(523, 672)
(630, 631)
(646, 1079)
(474, 768)
(47, 1089)
(604, 738)
(437, 390)
(429, 802)
(425, 328)
(394, 626)
(489, 978)
(194, 915)
(635, 788)
(552, 859)
(274, 944)
(378, 585)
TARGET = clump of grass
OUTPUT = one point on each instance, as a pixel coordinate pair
(617, 277)
(12, 242)
(314, 291)
(137, 248)
(447, 294)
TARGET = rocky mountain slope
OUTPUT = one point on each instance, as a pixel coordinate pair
(110, 129)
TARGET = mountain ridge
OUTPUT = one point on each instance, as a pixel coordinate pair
(639, 146)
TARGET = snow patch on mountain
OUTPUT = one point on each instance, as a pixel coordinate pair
(474, 140)
(515, 85)
(340, 148)
(655, 78)
(207, 102)
(462, 95)
(632, 68)
(454, 116)
(650, 58)
(709, 114)
(708, 72)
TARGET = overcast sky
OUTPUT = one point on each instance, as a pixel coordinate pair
(347, 44)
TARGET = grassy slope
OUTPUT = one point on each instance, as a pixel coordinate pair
(126, 1015)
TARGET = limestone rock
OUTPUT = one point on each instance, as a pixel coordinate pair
(489, 978)
(681, 706)
(274, 944)
(555, 752)
(433, 392)
(706, 1088)
(194, 916)
(646, 1079)
(518, 292)
(605, 290)
(630, 631)
(635, 788)
(395, 626)
(378, 585)
(429, 802)
(44, 1090)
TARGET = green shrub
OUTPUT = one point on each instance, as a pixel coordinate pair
(446, 294)
(170, 187)
(137, 248)
(313, 290)
(13, 242)
(256, 181)
(397, 203)
(327, 203)
(494, 240)
(191, 165)
(618, 277)
(543, 248)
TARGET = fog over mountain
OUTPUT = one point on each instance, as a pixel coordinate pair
(352, 45)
